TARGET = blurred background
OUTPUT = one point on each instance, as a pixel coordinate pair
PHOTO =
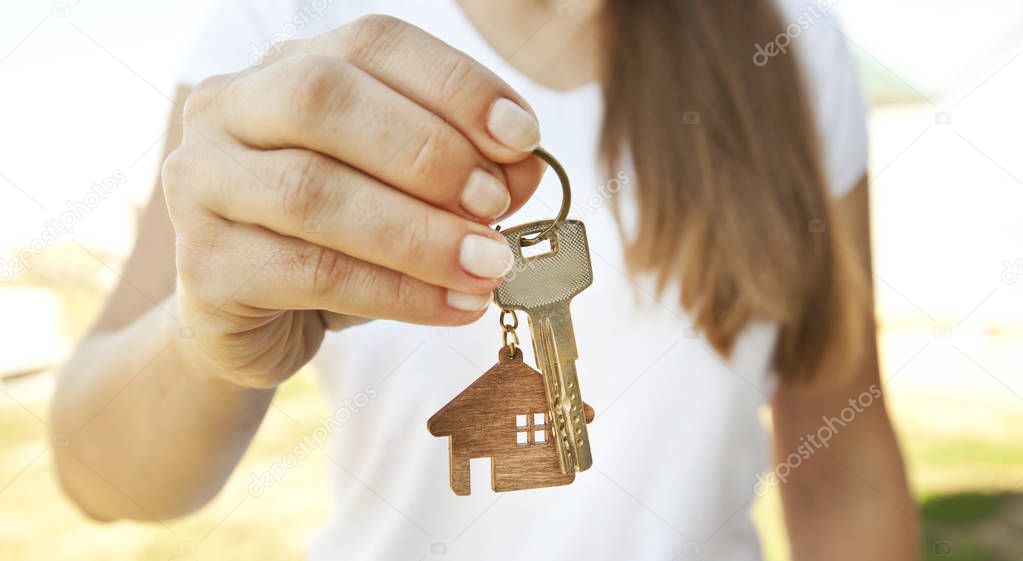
(83, 105)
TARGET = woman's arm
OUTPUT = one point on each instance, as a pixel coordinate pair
(849, 499)
(147, 438)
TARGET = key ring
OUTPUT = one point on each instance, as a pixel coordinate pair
(566, 198)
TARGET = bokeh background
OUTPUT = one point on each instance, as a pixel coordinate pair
(84, 98)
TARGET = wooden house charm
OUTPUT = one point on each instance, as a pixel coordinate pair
(503, 416)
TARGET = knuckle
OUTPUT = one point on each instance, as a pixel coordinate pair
(418, 236)
(176, 174)
(370, 33)
(405, 294)
(431, 154)
(457, 73)
(304, 186)
(323, 270)
(274, 51)
(204, 94)
(319, 86)
(174, 167)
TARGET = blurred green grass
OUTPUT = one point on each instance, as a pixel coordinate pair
(966, 473)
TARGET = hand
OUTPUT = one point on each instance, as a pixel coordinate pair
(351, 176)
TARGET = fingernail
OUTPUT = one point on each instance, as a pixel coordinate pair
(485, 257)
(468, 302)
(484, 195)
(513, 126)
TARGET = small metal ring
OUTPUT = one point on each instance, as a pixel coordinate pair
(515, 319)
(511, 341)
(566, 198)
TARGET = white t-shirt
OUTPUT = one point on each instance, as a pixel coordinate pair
(677, 442)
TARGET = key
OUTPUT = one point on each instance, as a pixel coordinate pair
(542, 286)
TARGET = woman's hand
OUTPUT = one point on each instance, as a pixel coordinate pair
(353, 173)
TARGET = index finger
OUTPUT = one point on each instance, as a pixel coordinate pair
(448, 82)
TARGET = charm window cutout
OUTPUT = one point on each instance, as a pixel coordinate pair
(531, 429)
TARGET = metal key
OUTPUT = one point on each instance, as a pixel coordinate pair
(542, 286)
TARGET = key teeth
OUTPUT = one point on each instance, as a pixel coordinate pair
(569, 444)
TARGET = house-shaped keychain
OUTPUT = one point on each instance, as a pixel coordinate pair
(503, 416)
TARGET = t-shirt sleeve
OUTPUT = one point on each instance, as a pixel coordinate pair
(235, 35)
(835, 95)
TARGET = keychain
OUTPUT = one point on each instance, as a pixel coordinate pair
(532, 425)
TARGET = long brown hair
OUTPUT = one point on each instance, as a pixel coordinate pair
(731, 190)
